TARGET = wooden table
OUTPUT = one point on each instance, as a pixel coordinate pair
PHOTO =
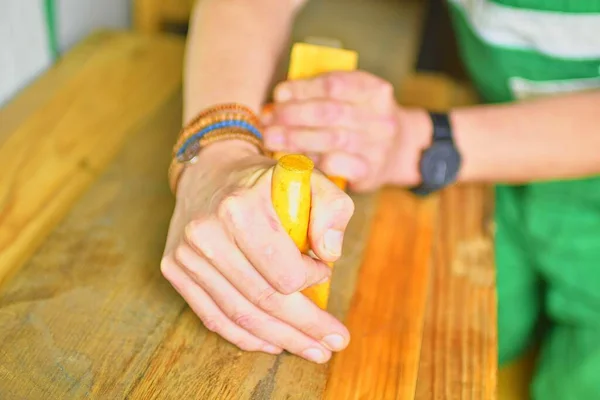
(84, 209)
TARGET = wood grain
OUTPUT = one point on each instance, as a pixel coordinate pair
(90, 316)
(458, 358)
(386, 315)
(85, 315)
(49, 159)
(458, 353)
(149, 15)
(42, 90)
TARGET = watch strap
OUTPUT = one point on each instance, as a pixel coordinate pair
(442, 132)
(441, 126)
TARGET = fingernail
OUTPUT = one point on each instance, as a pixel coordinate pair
(334, 342)
(274, 139)
(333, 242)
(271, 349)
(283, 93)
(315, 355)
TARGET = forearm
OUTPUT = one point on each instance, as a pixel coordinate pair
(232, 51)
(552, 138)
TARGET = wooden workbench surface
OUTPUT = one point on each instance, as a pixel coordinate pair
(84, 209)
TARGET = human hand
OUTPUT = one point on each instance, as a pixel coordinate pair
(351, 125)
(240, 272)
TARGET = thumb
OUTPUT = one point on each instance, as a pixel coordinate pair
(331, 211)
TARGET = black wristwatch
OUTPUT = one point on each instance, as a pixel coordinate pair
(440, 162)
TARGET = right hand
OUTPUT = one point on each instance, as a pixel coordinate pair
(238, 269)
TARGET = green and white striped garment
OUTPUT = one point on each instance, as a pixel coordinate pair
(547, 234)
(521, 48)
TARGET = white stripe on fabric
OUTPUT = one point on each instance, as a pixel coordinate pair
(527, 89)
(562, 35)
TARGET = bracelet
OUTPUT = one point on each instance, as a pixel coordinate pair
(187, 151)
(222, 122)
(197, 125)
(176, 168)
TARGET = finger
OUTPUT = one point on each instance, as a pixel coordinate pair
(331, 211)
(209, 313)
(256, 229)
(348, 86)
(349, 166)
(245, 314)
(320, 113)
(316, 140)
(294, 309)
(315, 157)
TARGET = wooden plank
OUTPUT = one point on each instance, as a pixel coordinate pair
(386, 323)
(86, 313)
(458, 359)
(90, 315)
(386, 316)
(148, 15)
(458, 356)
(177, 11)
(46, 86)
(142, 345)
(52, 156)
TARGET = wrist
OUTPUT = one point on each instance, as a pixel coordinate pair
(469, 145)
(414, 136)
(217, 157)
(225, 152)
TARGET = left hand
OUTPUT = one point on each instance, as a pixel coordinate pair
(351, 125)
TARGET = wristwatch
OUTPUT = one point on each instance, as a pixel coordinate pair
(440, 162)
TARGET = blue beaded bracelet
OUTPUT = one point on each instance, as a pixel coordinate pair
(218, 125)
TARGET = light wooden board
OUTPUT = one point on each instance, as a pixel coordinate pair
(89, 316)
(98, 95)
(387, 310)
(458, 357)
(458, 352)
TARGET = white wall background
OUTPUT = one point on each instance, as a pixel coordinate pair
(24, 45)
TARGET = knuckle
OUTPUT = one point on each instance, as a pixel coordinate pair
(342, 203)
(230, 209)
(333, 84)
(267, 299)
(352, 141)
(330, 112)
(193, 231)
(167, 267)
(244, 320)
(387, 127)
(386, 88)
(180, 254)
(289, 283)
(212, 323)
(199, 234)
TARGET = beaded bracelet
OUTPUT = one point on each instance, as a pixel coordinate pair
(190, 147)
(222, 122)
(218, 117)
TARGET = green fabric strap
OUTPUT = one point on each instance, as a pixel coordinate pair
(50, 11)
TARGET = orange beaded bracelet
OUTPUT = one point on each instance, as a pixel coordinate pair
(222, 122)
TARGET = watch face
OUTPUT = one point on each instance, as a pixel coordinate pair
(440, 164)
